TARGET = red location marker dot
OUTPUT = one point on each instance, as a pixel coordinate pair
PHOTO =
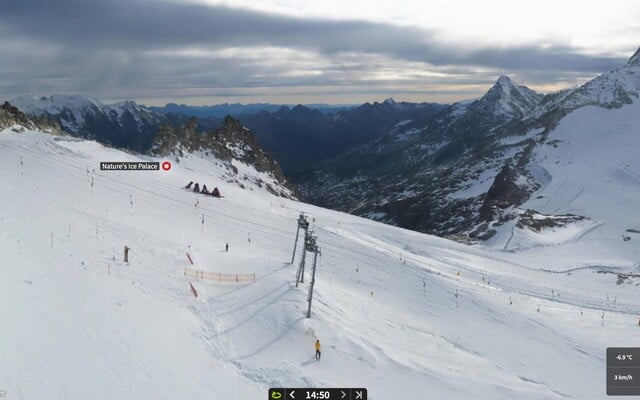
(166, 165)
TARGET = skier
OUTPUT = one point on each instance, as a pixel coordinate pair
(226, 248)
(317, 349)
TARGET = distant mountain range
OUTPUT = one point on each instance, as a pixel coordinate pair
(464, 169)
(301, 138)
(467, 169)
(130, 126)
(222, 110)
(124, 124)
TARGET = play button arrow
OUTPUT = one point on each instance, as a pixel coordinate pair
(343, 394)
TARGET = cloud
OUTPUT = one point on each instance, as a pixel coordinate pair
(137, 47)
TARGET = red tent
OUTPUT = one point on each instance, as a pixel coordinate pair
(215, 192)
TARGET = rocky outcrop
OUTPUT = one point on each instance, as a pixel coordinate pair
(232, 141)
(12, 116)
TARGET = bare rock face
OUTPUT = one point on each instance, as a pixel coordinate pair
(11, 115)
(232, 141)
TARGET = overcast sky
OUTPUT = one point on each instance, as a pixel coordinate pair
(298, 51)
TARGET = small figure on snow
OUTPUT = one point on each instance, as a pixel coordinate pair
(318, 353)
(226, 248)
(189, 185)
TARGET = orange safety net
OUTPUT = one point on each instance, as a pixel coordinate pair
(219, 277)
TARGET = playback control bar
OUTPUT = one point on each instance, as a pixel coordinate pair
(317, 394)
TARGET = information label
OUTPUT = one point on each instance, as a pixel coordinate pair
(623, 371)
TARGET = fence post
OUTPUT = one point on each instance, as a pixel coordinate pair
(193, 290)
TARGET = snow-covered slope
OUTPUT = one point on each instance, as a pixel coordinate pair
(404, 314)
(588, 166)
(123, 124)
(73, 110)
(420, 174)
(508, 100)
(611, 89)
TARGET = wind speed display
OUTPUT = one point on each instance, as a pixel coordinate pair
(623, 371)
(317, 394)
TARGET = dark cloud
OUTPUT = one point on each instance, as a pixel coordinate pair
(101, 46)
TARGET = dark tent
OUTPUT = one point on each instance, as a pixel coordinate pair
(204, 189)
(215, 192)
(196, 188)
(189, 185)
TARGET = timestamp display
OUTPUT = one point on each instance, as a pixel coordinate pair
(318, 394)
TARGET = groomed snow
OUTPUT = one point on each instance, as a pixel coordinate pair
(589, 167)
(78, 323)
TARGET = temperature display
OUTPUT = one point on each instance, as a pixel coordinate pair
(623, 371)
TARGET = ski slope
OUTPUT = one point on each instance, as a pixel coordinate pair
(79, 323)
(589, 166)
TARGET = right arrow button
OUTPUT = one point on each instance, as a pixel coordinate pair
(343, 394)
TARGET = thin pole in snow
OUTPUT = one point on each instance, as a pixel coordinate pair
(302, 224)
(311, 246)
(313, 281)
(300, 273)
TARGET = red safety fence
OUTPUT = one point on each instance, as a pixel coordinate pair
(219, 277)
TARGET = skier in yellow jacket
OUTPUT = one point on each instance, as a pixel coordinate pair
(317, 349)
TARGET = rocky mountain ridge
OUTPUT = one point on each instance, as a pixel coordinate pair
(232, 144)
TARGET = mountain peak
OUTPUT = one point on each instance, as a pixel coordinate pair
(389, 101)
(635, 58)
(507, 99)
(504, 80)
